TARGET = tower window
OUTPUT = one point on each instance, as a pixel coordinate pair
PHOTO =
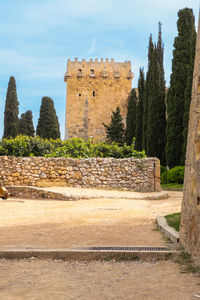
(93, 93)
(79, 74)
(79, 95)
(92, 73)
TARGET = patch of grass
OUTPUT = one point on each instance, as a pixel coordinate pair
(156, 228)
(187, 264)
(172, 186)
(174, 220)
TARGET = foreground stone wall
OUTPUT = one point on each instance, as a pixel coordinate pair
(136, 174)
(190, 215)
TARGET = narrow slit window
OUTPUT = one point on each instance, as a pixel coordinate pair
(93, 93)
(79, 95)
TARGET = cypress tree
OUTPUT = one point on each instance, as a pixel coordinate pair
(146, 96)
(115, 130)
(139, 113)
(11, 110)
(131, 118)
(156, 111)
(25, 126)
(176, 103)
(188, 89)
(48, 125)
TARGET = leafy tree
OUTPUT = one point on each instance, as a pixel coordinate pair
(139, 111)
(115, 130)
(48, 125)
(131, 118)
(11, 110)
(25, 126)
(180, 87)
(146, 96)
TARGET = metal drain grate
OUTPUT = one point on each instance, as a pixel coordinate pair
(130, 248)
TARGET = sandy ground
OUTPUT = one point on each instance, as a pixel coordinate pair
(92, 192)
(61, 224)
(56, 280)
(95, 222)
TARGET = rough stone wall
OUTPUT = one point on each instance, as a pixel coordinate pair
(136, 174)
(94, 90)
(190, 219)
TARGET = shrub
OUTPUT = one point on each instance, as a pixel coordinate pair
(73, 148)
(163, 174)
(176, 174)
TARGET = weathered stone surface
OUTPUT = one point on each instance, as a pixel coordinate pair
(93, 172)
(190, 216)
(91, 98)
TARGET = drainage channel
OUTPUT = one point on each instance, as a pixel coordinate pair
(135, 248)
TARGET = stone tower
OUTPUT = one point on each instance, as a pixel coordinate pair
(190, 219)
(94, 90)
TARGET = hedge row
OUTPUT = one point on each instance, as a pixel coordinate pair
(24, 146)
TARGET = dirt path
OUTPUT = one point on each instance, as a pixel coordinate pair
(96, 222)
(58, 280)
(100, 193)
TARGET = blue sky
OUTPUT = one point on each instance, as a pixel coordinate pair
(37, 37)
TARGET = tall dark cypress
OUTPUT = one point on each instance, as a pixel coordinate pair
(131, 118)
(161, 143)
(48, 125)
(146, 96)
(25, 126)
(181, 64)
(188, 89)
(11, 110)
(156, 111)
(139, 114)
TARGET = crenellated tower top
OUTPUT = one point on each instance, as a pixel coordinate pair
(98, 68)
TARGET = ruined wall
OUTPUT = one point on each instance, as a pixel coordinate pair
(136, 174)
(190, 220)
(94, 90)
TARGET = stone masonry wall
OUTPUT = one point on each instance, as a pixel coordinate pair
(135, 174)
(95, 89)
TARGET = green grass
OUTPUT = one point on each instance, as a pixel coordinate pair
(172, 186)
(186, 262)
(173, 220)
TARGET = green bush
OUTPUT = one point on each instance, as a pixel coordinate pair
(162, 170)
(176, 174)
(73, 148)
(163, 174)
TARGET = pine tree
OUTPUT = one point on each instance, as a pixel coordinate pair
(139, 111)
(11, 110)
(146, 96)
(25, 126)
(131, 118)
(115, 130)
(181, 71)
(48, 125)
